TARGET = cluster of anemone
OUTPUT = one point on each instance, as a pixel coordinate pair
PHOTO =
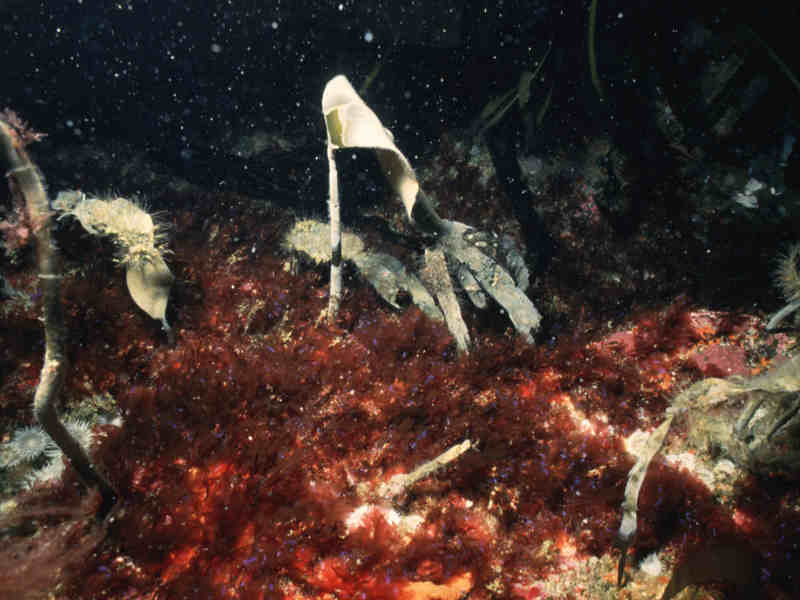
(33, 455)
(26, 445)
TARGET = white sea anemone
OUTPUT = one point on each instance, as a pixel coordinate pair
(81, 431)
(27, 444)
(50, 472)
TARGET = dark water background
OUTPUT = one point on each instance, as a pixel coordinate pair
(173, 77)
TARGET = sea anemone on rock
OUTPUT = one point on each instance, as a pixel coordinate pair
(81, 431)
(27, 444)
(50, 472)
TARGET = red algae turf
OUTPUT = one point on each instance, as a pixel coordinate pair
(249, 444)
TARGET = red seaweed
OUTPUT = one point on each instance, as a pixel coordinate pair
(248, 444)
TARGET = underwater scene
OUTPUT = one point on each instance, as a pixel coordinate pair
(399, 300)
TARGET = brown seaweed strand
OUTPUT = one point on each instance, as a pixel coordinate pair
(25, 177)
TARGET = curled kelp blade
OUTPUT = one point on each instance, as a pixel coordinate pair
(149, 282)
(350, 123)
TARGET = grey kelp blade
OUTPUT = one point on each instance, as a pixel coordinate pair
(472, 288)
(388, 276)
(384, 272)
(493, 278)
(437, 277)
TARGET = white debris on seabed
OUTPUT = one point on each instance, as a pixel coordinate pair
(651, 565)
(636, 441)
(695, 466)
(406, 524)
(747, 197)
